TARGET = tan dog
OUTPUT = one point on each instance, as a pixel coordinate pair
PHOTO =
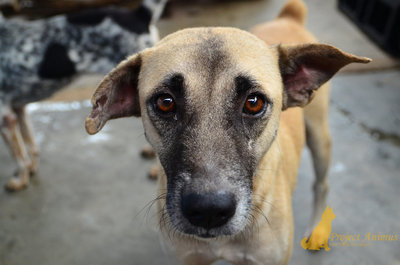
(221, 108)
(320, 236)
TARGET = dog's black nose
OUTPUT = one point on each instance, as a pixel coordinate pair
(208, 210)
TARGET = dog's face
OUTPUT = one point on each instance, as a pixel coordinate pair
(205, 108)
(210, 100)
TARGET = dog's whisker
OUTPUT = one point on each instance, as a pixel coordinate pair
(160, 197)
(151, 203)
(260, 211)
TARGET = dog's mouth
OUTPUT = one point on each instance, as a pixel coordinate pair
(202, 233)
(207, 235)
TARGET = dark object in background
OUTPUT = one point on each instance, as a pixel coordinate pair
(379, 19)
(34, 9)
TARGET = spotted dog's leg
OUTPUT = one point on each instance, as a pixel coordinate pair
(28, 136)
(12, 136)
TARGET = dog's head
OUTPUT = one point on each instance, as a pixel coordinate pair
(210, 100)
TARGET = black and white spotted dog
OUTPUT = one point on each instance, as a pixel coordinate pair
(37, 58)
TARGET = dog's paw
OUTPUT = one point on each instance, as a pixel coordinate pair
(18, 183)
(148, 152)
(33, 167)
(153, 173)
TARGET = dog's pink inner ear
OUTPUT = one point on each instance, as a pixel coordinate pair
(125, 103)
(114, 101)
(117, 96)
(119, 103)
(304, 68)
(300, 85)
(305, 75)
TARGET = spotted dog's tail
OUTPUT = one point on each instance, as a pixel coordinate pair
(296, 10)
(156, 8)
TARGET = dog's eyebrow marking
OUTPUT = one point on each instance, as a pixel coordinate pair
(175, 82)
(244, 83)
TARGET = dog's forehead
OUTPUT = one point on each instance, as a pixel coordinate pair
(193, 36)
(202, 54)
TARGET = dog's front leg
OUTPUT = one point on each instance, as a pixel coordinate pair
(12, 136)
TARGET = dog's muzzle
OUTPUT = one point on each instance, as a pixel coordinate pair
(208, 210)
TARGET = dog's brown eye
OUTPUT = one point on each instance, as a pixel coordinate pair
(254, 104)
(165, 103)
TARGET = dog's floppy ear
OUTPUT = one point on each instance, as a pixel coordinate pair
(304, 68)
(116, 96)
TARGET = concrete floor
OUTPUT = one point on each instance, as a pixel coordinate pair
(88, 204)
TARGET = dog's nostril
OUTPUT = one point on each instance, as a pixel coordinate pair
(222, 215)
(208, 210)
